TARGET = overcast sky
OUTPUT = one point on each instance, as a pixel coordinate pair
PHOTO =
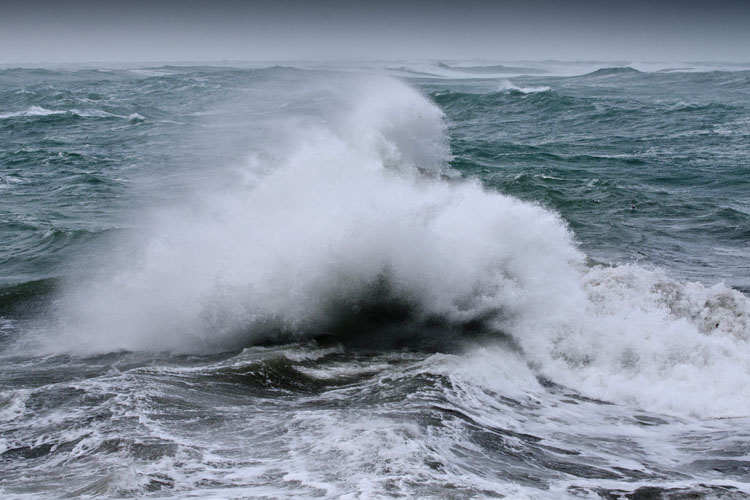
(197, 30)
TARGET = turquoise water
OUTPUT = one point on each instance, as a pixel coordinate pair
(441, 280)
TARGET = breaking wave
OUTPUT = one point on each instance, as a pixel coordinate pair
(356, 228)
(509, 86)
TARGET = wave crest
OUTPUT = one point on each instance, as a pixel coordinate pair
(346, 220)
(354, 229)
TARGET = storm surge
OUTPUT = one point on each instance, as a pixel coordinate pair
(346, 221)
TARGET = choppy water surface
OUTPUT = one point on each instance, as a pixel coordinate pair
(421, 280)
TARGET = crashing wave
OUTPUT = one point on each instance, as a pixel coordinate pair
(355, 229)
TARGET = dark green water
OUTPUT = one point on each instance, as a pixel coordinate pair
(645, 167)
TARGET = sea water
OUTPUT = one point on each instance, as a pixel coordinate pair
(412, 279)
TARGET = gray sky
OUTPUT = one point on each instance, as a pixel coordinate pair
(200, 30)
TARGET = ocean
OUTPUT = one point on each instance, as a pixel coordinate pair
(375, 280)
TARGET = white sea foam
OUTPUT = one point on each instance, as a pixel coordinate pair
(7, 181)
(32, 111)
(12, 404)
(506, 85)
(35, 111)
(642, 338)
(353, 194)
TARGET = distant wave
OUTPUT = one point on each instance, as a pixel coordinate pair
(38, 111)
(510, 86)
(442, 70)
(32, 111)
(626, 70)
(411, 71)
(540, 98)
(495, 69)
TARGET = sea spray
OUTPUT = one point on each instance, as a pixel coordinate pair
(349, 205)
(356, 232)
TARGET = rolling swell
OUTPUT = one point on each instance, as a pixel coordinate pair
(510, 100)
(615, 71)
